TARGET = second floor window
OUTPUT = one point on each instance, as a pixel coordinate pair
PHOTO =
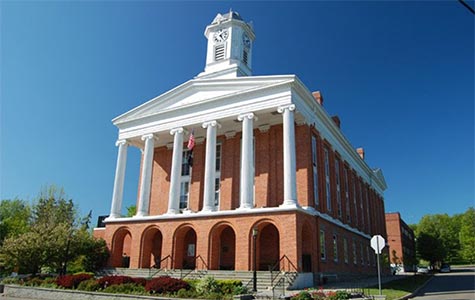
(338, 187)
(327, 180)
(315, 169)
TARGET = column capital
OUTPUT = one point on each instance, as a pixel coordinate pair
(212, 123)
(249, 116)
(121, 142)
(290, 107)
(177, 130)
(147, 136)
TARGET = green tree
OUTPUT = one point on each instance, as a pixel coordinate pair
(56, 236)
(467, 235)
(131, 210)
(429, 248)
(14, 218)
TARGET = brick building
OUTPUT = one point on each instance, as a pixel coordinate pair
(266, 163)
(401, 240)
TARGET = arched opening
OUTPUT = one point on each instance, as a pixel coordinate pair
(268, 249)
(185, 248)
(307, 242)
(121, 244)
(151, 248)
(223, 248)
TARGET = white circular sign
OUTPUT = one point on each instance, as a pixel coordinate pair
(377, 243)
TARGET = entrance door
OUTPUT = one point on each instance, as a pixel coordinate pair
(306, 262)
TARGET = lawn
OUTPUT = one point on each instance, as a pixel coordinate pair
(399, 288)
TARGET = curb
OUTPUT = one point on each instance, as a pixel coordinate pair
(411, 295)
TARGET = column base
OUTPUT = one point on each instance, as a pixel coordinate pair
(112, 217)
(140, 215)
(208, 209)
(289, 204)
(245, 207)
(173, 212)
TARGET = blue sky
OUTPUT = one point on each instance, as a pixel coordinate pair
(400, 75)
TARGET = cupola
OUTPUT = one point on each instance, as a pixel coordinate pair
(229, 51)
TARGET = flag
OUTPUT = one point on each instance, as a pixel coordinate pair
(191, 140)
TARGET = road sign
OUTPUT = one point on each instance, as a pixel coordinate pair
(377, 243)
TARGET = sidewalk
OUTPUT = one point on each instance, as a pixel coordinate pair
(332, 286)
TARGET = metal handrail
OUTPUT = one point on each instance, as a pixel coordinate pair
(277, 265)
(168, 257)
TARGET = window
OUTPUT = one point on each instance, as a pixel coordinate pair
(367, 208)
(347, 195)
(367, 256)
(354, 199)
(362, 253)
(219, 52)
(345, 250)
(338, 192)
(217, 181)
(335, 248)
(315, 170)
(327, 180)
(323, 254)
(186, 168)
(361, 205)
(355, 258)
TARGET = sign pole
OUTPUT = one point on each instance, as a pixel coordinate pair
(379, 269)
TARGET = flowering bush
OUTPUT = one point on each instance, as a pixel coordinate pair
(114, 280)
(321, 295)
(165, 284)
(72, 281)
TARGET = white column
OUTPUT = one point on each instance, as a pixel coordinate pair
(210, 166)
(175, 177)
(118, 191)
(146, 178)
(290, 170)
(247, 162)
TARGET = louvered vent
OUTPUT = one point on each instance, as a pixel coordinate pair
(219, 52)
(244, 56)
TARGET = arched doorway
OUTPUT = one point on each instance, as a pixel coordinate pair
(268, 248)
(185, 248)
(307, 247)
(223, 248)
(121, 243)
(151, 248)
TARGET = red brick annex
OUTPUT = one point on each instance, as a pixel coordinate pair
(229, 158)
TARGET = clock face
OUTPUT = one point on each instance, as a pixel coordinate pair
(246, 41)
(220, 36)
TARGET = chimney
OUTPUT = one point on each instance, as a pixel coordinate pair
(318, 97)
(360, 152)
(337, 121)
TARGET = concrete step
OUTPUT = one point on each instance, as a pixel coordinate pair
(264, 280)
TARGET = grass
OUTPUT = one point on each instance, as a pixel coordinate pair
(399, 288)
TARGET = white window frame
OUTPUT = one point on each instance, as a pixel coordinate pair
(217, 180)
(335, 247)
(338, 187)
(327, 180)
(355, 254)
(323, 250)
(355, 202)
(345, 250)
(185, 180)
(347, 195)
(315, 170)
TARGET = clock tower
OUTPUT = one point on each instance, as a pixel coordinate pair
(229, 51)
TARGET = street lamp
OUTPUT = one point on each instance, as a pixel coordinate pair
(254, 278)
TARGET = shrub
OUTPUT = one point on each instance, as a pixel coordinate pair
(114, 280)
(12, 280)
(207, 286)
(339, 295)
(304, 295)
(89, 285)
(228, 286)
(184, 293)
(240, 290)
(126, 288)
(139, 281)
(34, 281)
(165, 284)
(72, 281)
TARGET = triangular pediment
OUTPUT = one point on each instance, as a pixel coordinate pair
(379, 174)
(196, 92)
